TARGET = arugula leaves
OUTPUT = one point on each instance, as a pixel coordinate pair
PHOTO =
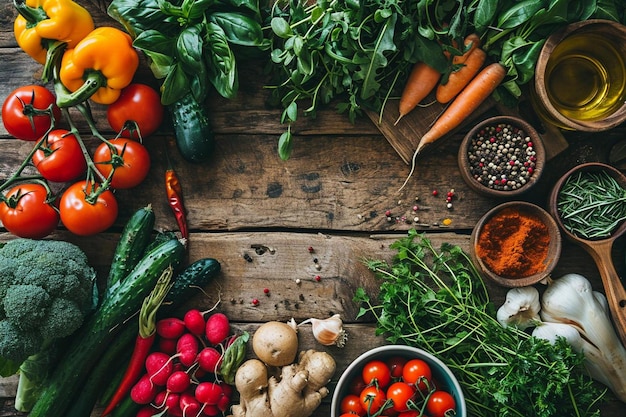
(436, 300)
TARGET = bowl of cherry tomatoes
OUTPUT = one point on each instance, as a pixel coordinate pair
(398, 381)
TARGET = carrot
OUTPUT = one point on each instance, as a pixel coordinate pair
(422, 80)
(143, 342)
(465, 66)
(468, 100)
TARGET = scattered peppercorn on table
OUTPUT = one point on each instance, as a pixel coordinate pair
(291, 235)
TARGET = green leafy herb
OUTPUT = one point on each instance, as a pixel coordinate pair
(436, 300)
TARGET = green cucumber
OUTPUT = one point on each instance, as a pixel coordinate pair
(197, 274)
(96, 335)
(193, 130)
(133, 242)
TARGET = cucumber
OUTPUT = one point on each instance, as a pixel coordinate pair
(197, 274)
(95, 336)
(133, 242)
(193, 130)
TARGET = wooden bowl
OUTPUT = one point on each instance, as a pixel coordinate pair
(468, 166)
(553, 253)
(546, 105)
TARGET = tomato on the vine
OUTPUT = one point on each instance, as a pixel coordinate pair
(22, 112)
(26, 211)
(133, 158)
(61, 158)
(138, 103)
(440, 404)
(396, 363)
(372, 399)
(83, 218)
(357, 385)
(400, 393)
(376, 371)
(352, 404)
(417, 372)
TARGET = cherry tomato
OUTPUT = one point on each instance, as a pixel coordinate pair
(376, 371)
(61, 158)
(440, 404)
(83, 218)
(372, 399)
(27, 213)
(138, 103)
(410, 413)
(400, 393)
(357, 385)
(352, 404)
(135, 161)
(18, 110)
(417, 372)
(396, 363)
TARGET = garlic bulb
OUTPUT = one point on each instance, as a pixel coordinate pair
(329, 331)
(520, 309)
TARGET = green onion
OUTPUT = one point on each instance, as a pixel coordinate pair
(591, 204)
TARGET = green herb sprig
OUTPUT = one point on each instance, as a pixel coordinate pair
(436, 300)
(592, 204)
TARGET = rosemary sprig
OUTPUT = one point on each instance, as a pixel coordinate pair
(591, 204)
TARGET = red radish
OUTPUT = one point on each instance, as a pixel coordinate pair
(172, 400)
(170, 328)
(224, 403)
(189, 404)
(210, 410)
(147, 411)
(209, 393)
(178, 382)
(194, 321)
(227, 389)
(217, 328)
(167, 345)
(209, 359)
(187, 349)
(160, 399)
(159, 367)
(144, 391)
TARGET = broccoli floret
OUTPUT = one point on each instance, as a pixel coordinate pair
(47, 288)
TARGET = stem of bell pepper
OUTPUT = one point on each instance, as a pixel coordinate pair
(33, 15)
(94, 80)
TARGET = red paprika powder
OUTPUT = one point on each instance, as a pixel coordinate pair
(514, 244)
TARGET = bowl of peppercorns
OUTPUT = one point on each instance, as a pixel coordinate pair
(502, 156)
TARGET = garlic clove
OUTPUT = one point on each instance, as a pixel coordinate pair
(329, 331)
(520, 309)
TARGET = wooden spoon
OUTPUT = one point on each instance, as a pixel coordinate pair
(600, 250)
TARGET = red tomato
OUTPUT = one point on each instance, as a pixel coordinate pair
(352, 404)
(26, 211)
(372, 399)
(376, 371)
(410, 413)
(132, 162)
(357, 385)
(400, 393)
(82, 217)
(60, 159)
(138, 103)
(396, 363)
(440, 404)
(417, 372)
(20, 108)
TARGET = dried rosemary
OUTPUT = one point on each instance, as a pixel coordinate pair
(592, 204)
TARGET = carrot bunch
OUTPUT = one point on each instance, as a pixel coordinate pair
(468, 85)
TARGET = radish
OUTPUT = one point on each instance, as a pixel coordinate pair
(194, 321)
(223, 404)
(146, 411)
(144, 391)
(159, 367)
(209, 359)
(208, 393)
(189, 404)
(217, 328)
(167, 345)
(178, 382)
(187, 349)
(170, 328)
(210, 410)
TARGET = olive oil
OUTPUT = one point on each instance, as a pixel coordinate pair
(586, 77)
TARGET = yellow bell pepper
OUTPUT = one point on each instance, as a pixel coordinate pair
(99, 67)
(42, 22)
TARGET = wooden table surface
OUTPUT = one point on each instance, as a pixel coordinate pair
(258, 214)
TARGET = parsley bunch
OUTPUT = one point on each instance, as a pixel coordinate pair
(436, 300)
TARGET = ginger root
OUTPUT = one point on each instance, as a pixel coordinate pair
(297, 391)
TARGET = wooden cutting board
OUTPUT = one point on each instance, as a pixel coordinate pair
(405, 135)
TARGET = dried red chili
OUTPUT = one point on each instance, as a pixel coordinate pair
(175, 199)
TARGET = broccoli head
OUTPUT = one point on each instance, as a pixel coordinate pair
(47, 287)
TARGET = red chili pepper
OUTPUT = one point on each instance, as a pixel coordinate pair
(145, 339)
(175, 198)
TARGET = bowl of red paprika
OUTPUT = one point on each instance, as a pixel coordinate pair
(516, 244)
(398, 380)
